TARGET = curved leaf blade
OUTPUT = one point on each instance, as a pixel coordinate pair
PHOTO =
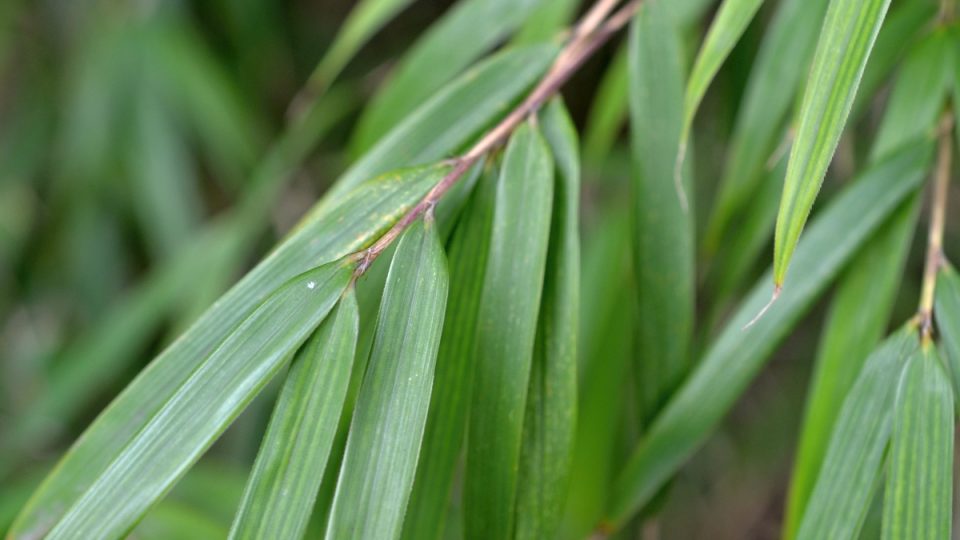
(848, 34)
(507, 331)
(453, 380)
(919, 494)
(737, 354)
(851, 468)
(175, 436)
(387, 428)
(549, 422)
(280, 492)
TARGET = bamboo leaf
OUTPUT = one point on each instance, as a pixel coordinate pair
(279, 496)
(549, 422)
(947, 313)
(923, 85)
(663, 243)
(354, 223)
(608, 110)
(546, 21)
(464, 33)
(919, 493)
(851, 467)
(453, 116)
(781, 64)
(388, 423)
(858, 317)
(725, 31)
(849, 31)
(507, 330)
(737, 354)
(175, 436)
(453, 380)
(366, 19)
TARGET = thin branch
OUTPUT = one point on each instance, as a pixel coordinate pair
(592, 32)
(938, 212)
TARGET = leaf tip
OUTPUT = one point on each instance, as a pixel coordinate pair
(776, 294)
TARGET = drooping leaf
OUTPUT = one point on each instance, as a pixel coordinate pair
(549, 421)
(453, 116)
(663, 236)
(468, 30)
(849, 31)
(279, 496)
(175, 435)
(453, 380)
(388, 423)
(851, 467)
(737, 354)
(725, 31)
(919, 493)
(923, 85)
(547, 20)
(346, 228)
(781, 64)
(608, 110)
(858, 317)
(507, 330)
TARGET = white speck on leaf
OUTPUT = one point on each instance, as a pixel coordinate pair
(311, 284)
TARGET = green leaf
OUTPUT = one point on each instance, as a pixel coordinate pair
(279, 496)
(737, 355)
(549, 422)
(781, 64)
(919, 492)
(725, 31)
(507, 330)
(923, 85)
(453, 116)
(947, 313)
(353, 224)
(464, 33)
(366, 19)
(856, 322)
(453, 380)
(849, 30)
(663, 241)
(851, 467)
(175, 435)
(388, 423)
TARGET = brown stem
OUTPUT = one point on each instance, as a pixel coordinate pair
(938, 212)
(593, 31)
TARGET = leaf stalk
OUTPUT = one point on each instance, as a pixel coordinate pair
(938, 212)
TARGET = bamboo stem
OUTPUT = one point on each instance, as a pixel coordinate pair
(590, 33)
(938, 212)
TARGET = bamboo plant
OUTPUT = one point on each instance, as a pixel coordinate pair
(469, 334)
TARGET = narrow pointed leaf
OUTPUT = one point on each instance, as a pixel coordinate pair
(453, 116)
(917, 502)
(549, 422)
(848, 34)
(858, 317)
(387, 429)
(347, 227)
(608, 110)
(736, 356)
(175, 436)
(546, 21)
(279, 496)
(663, 241)
(725, 31)
(851, 468)
(781, 64)
(464, 33)
(507, 330)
